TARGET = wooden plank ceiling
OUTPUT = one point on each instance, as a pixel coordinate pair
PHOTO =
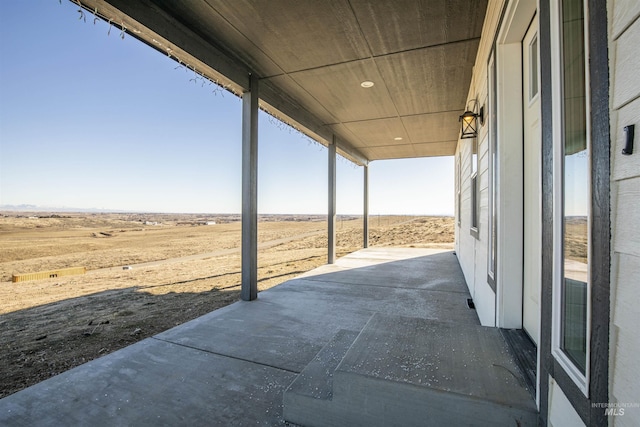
(311, 57)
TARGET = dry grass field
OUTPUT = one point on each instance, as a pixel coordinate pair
(180, 269)
(575, 233)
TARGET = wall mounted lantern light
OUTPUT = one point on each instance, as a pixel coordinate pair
(470, 120)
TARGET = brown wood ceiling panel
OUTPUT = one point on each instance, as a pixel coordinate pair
(205, 21)
(376, 133)
(344, 133)
(297, 35)
(432, 149)
(338, 89)
(313, 55)
(287, 85)
(429, 80)
(399, 25)
(433, 127)
(394, 152)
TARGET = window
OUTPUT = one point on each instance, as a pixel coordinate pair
(474, 187)
(459, 186)
(572, 180)
(474, 156)
(493, 175)
(575, 186)
(533, 68)
(474, 202)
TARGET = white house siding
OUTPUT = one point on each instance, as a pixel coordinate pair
(466, 244)
(472, 251)
(561, 413)
(624, 62)
(484, 295)
(624, 57)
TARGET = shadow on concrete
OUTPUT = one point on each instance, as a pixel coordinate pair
(232, 366)
(46, 340)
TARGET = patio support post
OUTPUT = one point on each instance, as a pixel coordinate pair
(331, 258)
(249, 290)
(365, 216)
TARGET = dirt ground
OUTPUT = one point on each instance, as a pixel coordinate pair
(49, 326)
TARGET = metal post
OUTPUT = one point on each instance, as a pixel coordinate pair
(365, 216)
(249, 289)
(331, 258)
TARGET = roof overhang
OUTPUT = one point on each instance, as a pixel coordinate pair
(312, 56)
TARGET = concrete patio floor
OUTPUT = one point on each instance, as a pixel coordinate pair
(232, 366)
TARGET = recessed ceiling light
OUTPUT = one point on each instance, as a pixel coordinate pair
(397, 138)
(367, 84)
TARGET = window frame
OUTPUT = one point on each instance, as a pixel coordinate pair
(492, 221)
(459, 187)
(475, 202)
(534, 80)
(580, 379)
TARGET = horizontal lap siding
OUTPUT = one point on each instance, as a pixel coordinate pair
(624, 370)
(472, 252)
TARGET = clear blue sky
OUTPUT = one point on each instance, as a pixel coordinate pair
(88, 120)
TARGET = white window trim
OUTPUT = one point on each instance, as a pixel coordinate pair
(580, 379)
(529, 50)
(509, 103)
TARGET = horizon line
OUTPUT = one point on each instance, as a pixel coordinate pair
(25, 208)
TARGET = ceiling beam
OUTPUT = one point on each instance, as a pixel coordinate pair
(149, 23)
(277, 103)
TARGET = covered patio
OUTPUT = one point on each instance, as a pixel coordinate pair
(382, 337)
(379, 337)
(368, 80)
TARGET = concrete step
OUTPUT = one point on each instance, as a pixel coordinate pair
(409, 371)
(312, 390)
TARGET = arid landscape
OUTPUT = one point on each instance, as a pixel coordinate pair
(149, 272)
